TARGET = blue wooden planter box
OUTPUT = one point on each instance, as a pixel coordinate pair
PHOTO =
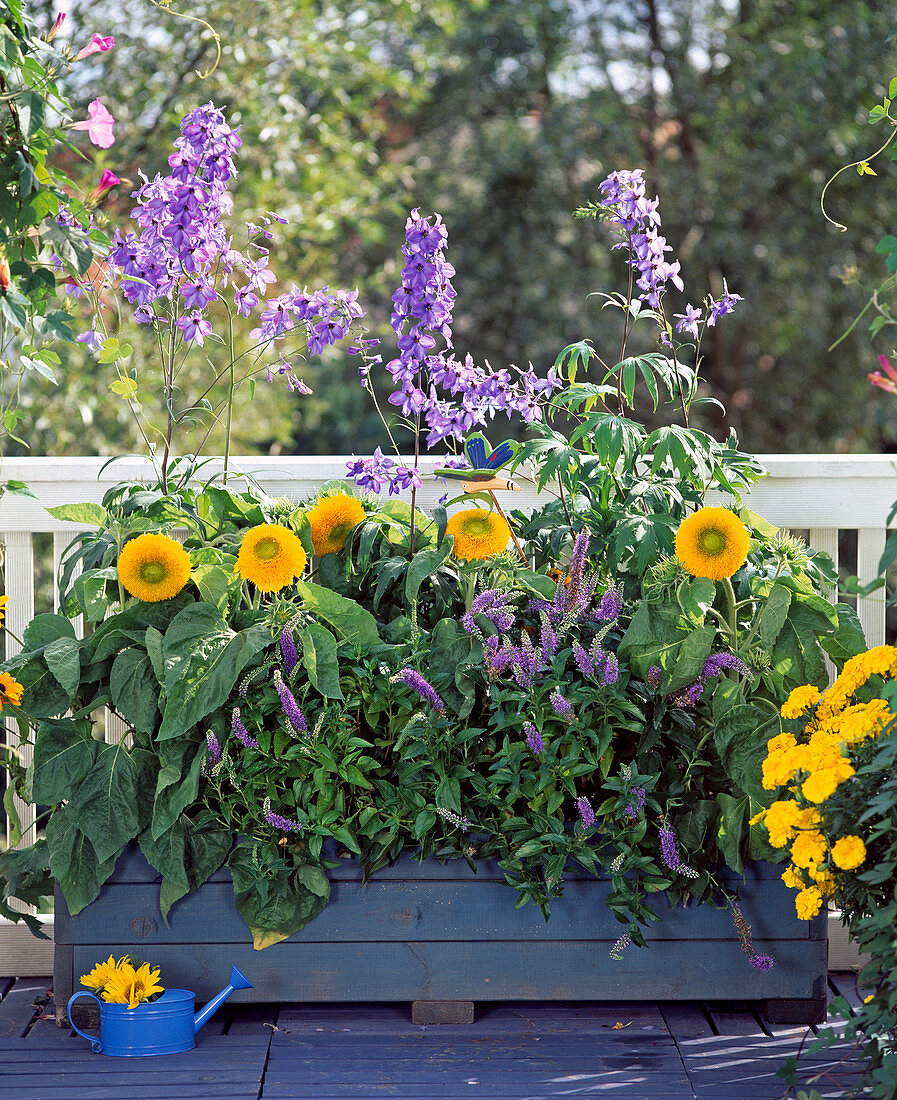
(438, 932)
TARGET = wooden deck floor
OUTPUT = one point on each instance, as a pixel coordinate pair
(513, 1051)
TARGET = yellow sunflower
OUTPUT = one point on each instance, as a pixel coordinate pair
(10, 691)
(712, 543)
(127, 986)
(4, 600)
(331, 519)
(478, 534)
(271, 556)
(98, 978)
(153, 567)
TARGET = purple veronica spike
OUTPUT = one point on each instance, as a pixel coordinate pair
(289, 704)
(757, 961)
(616, 952)
(240, 731)
(288, 650)
(583, 660)
(654, 676)
(418, 684)
(214, 749)
(636, 803)
(716, 662)
(533, 738)
(562, 707)
(586, 813)
(611, 605)
(282, 824)
(669, 852)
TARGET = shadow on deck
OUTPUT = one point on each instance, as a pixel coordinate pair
(513, 1051)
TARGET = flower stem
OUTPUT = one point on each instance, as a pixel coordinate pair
(731, 610)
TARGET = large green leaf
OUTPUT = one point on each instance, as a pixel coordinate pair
(64, 661)
(320, 659)
(42, 631)
(733, 829)
(105, 802)
(423, 565)
(203, 661)
(275, 908)
(135, 689)
(740, 736)
(74, 861)
(177, 786)
(168, 854)
(64, 752)
(774, 614)
(848, 640)
(349, 619)
(657, 636)
(94, 515)
(797, 655)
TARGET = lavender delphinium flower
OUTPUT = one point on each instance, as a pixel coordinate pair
(562, 707)
(240, 731)
(413, 679)
(669, 852)
(289, 704)
(533, 738)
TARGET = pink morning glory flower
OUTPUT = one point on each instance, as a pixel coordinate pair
(98, 125)
(96, 45)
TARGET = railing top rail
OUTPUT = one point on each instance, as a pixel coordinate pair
(802, 490)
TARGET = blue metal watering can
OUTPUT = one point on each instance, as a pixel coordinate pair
(165, 1026)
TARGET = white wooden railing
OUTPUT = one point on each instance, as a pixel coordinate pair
(834, 500)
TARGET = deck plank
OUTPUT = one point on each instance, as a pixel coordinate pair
(523, 1050)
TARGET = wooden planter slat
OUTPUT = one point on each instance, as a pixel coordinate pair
(438, 932)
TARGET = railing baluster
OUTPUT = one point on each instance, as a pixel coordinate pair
(826, 540)
(871, 609)
(19, 571)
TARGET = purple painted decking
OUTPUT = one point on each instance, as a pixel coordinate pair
(512, 1051)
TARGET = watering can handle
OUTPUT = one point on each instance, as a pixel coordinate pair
(95, 1044)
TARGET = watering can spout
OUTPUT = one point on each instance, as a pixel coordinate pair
(237, 981)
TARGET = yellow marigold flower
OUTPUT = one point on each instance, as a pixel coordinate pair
(331, 519)
(823, 880)
(271, 556)
(791, 878)
(131, 987)
(153, 567)
(10, 691)
(848, 852)
(712, 543)
(784, 759)
(801, 699)
(880, 660)
(98, 978)
(819, 785)
(809, 848)
(479, 534)
(808, 903)
(4, 600)
(781, 821)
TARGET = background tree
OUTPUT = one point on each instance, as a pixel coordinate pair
(504, 117)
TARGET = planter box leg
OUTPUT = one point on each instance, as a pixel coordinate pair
(442, 1012)
(806, 1010)
(63, 963)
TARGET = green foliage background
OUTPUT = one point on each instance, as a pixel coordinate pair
(504, 117)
